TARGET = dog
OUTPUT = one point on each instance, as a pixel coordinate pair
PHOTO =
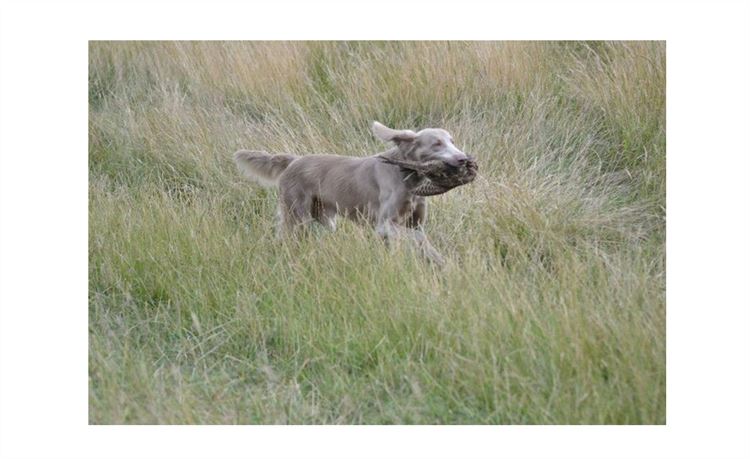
(320, 187)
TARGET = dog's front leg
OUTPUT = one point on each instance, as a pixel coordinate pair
(389, 230)
(415, 227)
(424, 246)
(387, 215)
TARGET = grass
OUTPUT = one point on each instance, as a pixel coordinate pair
(551, 309)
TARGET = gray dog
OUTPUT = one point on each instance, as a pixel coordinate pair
(319, 187)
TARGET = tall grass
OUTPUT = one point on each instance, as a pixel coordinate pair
(550, 310)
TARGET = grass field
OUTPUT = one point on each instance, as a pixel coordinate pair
(551, 309)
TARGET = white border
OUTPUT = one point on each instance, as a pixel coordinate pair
(43, 237)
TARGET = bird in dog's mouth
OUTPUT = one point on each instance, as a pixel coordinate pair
(437, 176)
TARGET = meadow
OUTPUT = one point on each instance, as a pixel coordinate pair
(550, 310)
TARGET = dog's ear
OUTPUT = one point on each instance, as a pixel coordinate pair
(386, 133)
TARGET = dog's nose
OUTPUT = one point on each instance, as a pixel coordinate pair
(457, 161)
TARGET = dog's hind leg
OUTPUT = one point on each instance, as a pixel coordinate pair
(282, 216)
(295, 212)
(324, 214)
(327, 218)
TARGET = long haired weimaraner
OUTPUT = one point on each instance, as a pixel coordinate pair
(319, 187)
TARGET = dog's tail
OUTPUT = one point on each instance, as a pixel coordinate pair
(262, 167)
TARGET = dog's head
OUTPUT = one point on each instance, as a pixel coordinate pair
(425, 145)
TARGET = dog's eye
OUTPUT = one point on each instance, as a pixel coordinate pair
(438, 144)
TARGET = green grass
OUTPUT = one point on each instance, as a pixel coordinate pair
(551, 309)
